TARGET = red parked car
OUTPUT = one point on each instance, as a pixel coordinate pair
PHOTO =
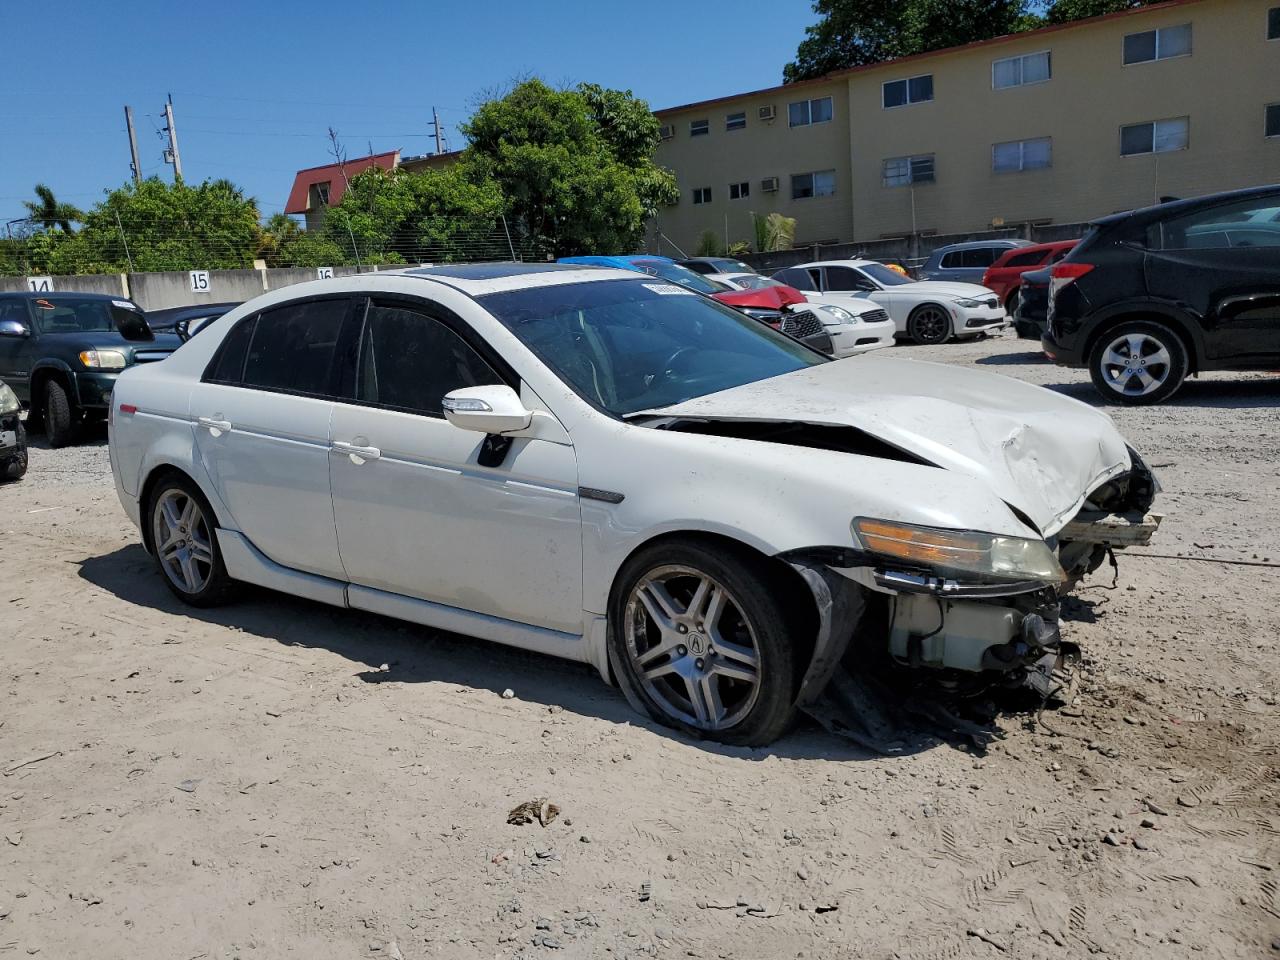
(780, 307)
(1005, 274)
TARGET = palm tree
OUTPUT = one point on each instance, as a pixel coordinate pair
(48, 212)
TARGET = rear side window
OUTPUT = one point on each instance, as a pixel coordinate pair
(1246, 223)
(1024, 259)
(228, 365)
(409, 361)
(293, 347)
(796, 277)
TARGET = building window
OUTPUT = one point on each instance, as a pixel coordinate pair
(1020, 71)
(322, 194)
(1018, 155)
(805, 112)
(1273, 23)
(902, 171)
(735, 121)
(1159, 136)
(819, 184)
(701, 194)
(699, 128)
(1273, 119)
(899, 93)
(740, 191)
(1157, 44)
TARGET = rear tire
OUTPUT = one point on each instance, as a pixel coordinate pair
(60, 418)
(700, 640)
(929, 324)
(1138, 363)
(184, 541)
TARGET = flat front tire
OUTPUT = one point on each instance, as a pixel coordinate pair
(701, 641)
(185, 543)
(1139, 362)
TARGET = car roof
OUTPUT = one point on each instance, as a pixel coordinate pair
(478, 279)
(55, 296)
(833, 263)
(1174, 207)
(1008, 242)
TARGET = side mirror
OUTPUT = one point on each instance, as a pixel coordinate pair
(14, 328)
(490, 409)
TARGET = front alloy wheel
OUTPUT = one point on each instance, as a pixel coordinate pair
(700, 640)
(929, 324)
(1138, 363)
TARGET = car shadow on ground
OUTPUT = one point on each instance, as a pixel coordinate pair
(89, 435)
(1258, 393)
(1011, 359)
(417, 654)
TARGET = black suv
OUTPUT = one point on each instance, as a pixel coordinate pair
(61, 354)
(1150, 296)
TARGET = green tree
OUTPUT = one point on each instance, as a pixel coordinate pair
(1062, 11)
(48, 212)
(852, 33)
(575, 167)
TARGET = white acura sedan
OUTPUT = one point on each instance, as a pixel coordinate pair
(927, 311)
(609, 468)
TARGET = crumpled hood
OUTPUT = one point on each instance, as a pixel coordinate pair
(1039, 451)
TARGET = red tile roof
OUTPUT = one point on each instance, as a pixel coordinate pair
(332, 174)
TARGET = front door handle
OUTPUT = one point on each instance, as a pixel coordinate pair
(358, 454)
(215, 426)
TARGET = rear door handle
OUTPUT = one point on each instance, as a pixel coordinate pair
(215, 426)
(357, 453)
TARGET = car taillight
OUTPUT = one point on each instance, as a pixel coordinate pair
(1062, 275)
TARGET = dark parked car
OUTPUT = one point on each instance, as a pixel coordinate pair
(715, 265)
(1032, 304)
(13, 439)
(1004, 277)
(61, 354)
(186, 322)
(1153, 295)
(966, 262)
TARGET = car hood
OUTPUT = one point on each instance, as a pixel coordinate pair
(941, 288)
(1037, 450)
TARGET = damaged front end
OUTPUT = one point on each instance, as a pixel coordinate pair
(975, 610)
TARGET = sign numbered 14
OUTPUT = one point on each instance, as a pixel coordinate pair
(40, 284)
(199, 281)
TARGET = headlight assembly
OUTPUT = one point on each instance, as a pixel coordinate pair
(968, 304)
(8, 400)
(103, 359)
(840, 314)
(959, 553)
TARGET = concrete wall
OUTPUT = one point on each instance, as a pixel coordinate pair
(157, 291)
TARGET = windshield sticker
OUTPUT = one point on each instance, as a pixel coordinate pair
(45, 305)
(123, 304)
(667, 289)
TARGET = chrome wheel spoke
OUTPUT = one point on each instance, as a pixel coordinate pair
(1112, 358)
(661, 608)
(190, 574)
(661, 670)
(743, 658)
(1160, 358)
(201, 550)
(172, 515)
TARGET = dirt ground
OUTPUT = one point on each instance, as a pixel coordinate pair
(279, 778)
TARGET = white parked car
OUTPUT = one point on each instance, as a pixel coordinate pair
(927, 311)
(856, 325)
(603, 466)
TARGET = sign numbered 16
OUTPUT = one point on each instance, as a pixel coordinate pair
(40, 284)
(324, 273)
(199, 281)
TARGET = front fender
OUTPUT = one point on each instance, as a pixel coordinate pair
(60, 369)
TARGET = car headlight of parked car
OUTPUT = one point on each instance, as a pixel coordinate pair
(969, 304)
(8, 400)
(959, 552)
(838, 315)
(103, 359)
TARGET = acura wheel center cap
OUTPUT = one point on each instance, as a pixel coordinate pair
(696, 643)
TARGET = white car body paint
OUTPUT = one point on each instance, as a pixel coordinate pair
(515, 553)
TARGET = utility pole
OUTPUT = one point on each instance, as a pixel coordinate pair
(133, 145)
(435, 123)
(174, 156)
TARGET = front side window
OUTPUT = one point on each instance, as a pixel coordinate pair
(1159, 136)
(902, 171)
(819, 184)
(1245, 223)
(701, 194)
(1020, 71)
(632, 345)
(1272, 121)
(805, 112)
(900, 93)
(409, 361)
(294, 346)
(1157, 44)
(1273, 23)
(1016, 155)
(698, 128)
(740, 191)
(846, 278)
(735, 121)
(796, 277)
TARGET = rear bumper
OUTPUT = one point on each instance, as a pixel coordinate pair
(1063, 355)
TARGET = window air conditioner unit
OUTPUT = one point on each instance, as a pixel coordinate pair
(767, 113)
(666, 131)
(769, 184)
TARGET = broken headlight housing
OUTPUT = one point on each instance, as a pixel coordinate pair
(963, 554)
(8, 400)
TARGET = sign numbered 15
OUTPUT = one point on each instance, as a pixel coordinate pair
(324, 273)
(40, 284)
(199, 281)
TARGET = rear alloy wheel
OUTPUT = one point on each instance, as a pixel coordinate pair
(702, 644)
(929, 324)
(185, 545)
(1139, 362)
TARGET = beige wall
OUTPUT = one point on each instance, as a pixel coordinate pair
(1223, 86)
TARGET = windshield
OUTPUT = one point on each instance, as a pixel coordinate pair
(626, 345)
(678, 274)
(753, 282)
(883, 275)
(82, 316)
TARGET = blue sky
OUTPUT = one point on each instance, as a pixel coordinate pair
(255, 85)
